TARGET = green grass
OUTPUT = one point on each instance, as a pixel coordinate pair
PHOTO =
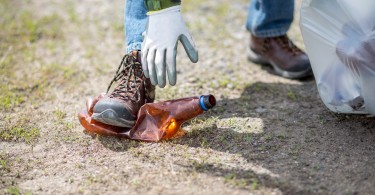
(21, 30)
(4, 163)
(23, 26)
(13, 190)
(20, 130)
(9, 99)
(222, 10)
(247, 180)
(291, 95)
(73, 17)
(232, 179)
(60, 115)
(20, 134)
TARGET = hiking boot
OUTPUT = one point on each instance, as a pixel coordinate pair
(121, 106)
(286, 59)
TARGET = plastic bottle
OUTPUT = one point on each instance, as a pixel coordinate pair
(156, 121)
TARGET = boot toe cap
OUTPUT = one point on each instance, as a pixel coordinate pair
(117, 108)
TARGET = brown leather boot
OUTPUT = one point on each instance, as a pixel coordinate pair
(286, 59)
(121, 106)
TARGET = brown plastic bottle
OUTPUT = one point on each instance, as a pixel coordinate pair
(156, 121)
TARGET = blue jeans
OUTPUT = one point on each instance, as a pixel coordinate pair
(135, 24)
(270, 18)
(267, 18)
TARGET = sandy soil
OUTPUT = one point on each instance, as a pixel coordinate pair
(268, 135)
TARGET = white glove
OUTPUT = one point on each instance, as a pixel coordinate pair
(159, 47)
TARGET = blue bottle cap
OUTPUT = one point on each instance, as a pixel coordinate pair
(207, 102)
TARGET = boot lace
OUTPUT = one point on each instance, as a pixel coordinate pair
(131, 75)
(288, 45)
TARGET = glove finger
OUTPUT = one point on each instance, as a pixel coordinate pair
(151, 66)
(160, 67)
(171, 65)
(189, 46)
(144, 63)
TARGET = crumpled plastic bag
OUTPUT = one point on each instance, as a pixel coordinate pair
(339, 36)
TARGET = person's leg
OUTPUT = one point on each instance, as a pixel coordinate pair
(121, 106)
(268, 22)
(135, 24)
(270, 18)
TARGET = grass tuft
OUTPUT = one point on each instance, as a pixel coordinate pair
(20, 134)
(4, 163)
(9, 99)
(291, 95)
(13, 190)
(19, 131)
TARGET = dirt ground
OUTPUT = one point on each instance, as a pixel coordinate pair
(267, 135)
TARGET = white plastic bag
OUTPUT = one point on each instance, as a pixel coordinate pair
(340, 40)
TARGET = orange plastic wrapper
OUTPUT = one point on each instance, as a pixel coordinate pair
(155, 121)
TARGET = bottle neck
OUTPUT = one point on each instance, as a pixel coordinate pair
(207, 102)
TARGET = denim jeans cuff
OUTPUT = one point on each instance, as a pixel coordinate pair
(270, 33)
(133, 46)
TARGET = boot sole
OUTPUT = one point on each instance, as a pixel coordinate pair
(110, 117)
(255, 58)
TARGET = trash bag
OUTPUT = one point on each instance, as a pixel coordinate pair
(339, 36)
(155, 121)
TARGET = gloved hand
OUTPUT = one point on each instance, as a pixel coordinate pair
(159, 48)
